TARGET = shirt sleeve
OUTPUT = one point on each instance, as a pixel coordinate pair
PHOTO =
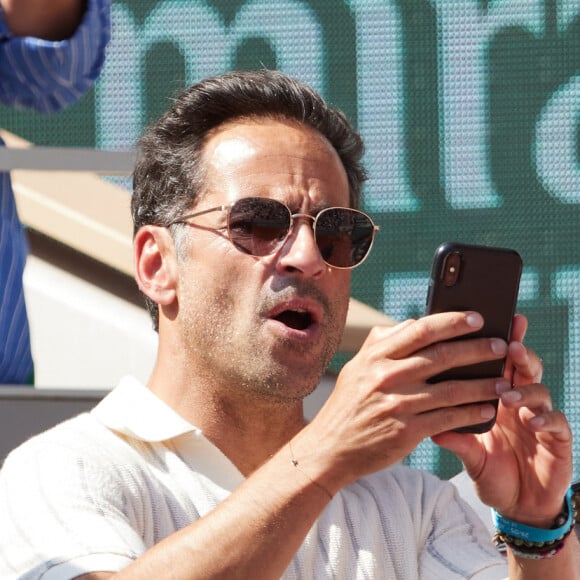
(48, 76)
(457, 544)
(63, 514)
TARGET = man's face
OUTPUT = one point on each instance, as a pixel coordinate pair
(268, 325)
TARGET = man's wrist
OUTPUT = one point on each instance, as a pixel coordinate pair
(533, 542)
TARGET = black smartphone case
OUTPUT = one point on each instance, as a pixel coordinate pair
(481, 278)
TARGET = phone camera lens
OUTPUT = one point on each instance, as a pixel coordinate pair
(451, 269)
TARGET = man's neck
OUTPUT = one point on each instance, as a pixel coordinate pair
(252, 434)
(248, 429)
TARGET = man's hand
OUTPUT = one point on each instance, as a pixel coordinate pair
(46, 19)
(523, 466)
(383, 406)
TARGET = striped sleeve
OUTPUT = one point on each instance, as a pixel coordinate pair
(48, 76)
(15, 356)
(44, 76)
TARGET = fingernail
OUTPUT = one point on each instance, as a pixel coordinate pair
(487, 412)
(511, 396)
(498, 346)
(474, 319)
(538, 422)
(502, 386)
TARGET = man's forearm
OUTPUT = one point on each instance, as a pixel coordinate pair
(47, 19)
(253, 534)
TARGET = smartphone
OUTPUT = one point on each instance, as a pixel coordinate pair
(481, 278)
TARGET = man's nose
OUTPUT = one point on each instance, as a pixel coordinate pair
(300, 253)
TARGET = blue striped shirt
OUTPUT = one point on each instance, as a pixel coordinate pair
(47, 77)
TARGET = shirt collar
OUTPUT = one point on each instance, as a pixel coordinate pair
(134, 410)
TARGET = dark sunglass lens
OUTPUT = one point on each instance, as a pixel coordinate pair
(344, 236)
(258, 225)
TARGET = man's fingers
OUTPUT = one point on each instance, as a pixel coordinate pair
(455, 393)
(536, 400)
(535, 397)
(553, 422)
(526, 366)
(441, 421)
(519, 328)
(535, 405)
(412, 336)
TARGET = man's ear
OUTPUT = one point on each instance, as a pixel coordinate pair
(156, 264)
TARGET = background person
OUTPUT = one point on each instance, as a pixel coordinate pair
(51, 52)
(244, 245)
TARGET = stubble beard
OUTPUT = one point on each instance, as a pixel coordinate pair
(231, 359)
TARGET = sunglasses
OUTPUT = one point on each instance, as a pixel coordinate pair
(259, 226)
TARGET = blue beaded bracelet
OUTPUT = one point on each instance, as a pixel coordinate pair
(535, 535)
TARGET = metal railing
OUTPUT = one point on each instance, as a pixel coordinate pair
(67, 159)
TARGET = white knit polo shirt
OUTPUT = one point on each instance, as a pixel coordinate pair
(97, 491)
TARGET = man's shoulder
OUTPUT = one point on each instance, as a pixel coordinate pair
(81, 434)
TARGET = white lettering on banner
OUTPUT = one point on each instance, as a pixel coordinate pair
(405, 294)
(529, 285)
(299, 48)
(556, 147)
(567, 12)
(466, 31)
(208, 47)
(565, 288)
(120, 86)
(380, 96)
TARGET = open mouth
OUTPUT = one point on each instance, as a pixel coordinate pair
(295, 319)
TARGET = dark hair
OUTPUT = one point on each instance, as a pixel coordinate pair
(169, 175)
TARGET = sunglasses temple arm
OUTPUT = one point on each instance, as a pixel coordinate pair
(188, 216)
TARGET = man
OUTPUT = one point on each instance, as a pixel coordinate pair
(244, 245)
(51, 52)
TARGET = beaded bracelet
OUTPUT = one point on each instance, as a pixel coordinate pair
(537, 543)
